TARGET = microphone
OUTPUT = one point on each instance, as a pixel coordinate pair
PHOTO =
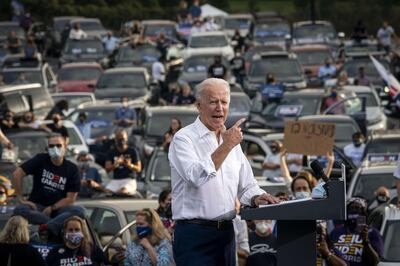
(320, 191)
(318, 170)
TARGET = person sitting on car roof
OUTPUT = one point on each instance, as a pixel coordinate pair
(327, 71)
(124, 162)
(76, 33)
(56, 183)
(59, 108)
(90, 176)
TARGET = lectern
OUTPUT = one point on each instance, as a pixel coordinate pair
(296, 223)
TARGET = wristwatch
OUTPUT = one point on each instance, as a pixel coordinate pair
(253, 201)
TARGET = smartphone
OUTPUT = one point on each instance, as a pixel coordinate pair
(361, 222)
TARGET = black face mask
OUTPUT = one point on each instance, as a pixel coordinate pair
(121, 142)
(357, 143)
(381, 199)
(56, 120)
(82, 120)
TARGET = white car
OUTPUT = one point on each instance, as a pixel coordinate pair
(390, 231)
(206, 42)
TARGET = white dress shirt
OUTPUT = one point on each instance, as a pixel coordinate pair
(354, 153)
(77, 34)
(198, 190)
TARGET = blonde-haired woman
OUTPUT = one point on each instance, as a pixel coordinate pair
(77, 245)
(152, 243)
(14, 245)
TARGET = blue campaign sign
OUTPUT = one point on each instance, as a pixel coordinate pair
(272, 91)
(288, 110)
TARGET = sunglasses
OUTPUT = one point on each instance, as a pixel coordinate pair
(2, 192)
(55, 145)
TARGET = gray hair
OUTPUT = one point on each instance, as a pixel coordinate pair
(211, 82)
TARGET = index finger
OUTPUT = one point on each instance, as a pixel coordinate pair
(239, 122)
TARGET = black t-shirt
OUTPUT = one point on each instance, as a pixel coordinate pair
(237, 64)
(74, 257)
(186, 99)
(262, 250)
(217, 71)
(21, 254)
(51, 182)
(61, 130)
(121, 171)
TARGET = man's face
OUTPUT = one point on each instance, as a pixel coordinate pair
(214, 107)
(57, 141)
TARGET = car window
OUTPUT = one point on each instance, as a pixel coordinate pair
(208, 41)
(73, 137)
(143, 53)
(84, 47)
(280, 67)
(391, 244)
(344, 131)
(384, 146)
(201, 63)
(367, 184)
(237, 23)
(157, 125)
(106, 222)
(79, 73)
(40, 97)
(271, 29)
(73, 100)
(313, 57)
(314, 31)
(14, 102)
(28, 147)
(155, 30)
(161, 169)
(122, 80)
(130, 216)
(14, 77)
(308, 105)
(351, 67)
(90, 25)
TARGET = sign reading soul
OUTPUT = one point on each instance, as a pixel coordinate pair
(309, 138)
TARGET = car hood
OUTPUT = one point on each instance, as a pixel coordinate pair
(117, 93)
(76, 85)
(225, 50)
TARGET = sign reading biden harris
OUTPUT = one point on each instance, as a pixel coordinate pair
(309, 138)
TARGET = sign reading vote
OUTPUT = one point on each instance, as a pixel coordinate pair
(309, 138)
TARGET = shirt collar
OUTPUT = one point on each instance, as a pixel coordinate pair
(202, 130)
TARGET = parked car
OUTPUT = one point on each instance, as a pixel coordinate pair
(60, 24)
(151, 29)
(390, 230)
(319, 31)
(133, 82)
(78, 77)
(84, 50)
(383, 142)
(205, 42)
(16, 70)
(74, 99)
(272, 31)
(243, 22)
(6, 27)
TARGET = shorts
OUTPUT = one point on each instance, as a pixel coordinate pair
(117, 184)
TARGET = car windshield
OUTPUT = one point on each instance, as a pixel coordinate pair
(143, 53)
(237, 23)
(367, 184)
(155, 30)
(200, 63)
(344, 131)
(277, 28)
(308, 105)
(161, 170)
(352, 66)
(29, 146)
(100, 120)
(208, 41)
(384, 145)
(312, 57)
(314, 31)
(90, 25)
(59, 24)
(22, 77)
(391, 242)
(6, 29)
(121, 80)
(158, 124)
(370, 99)
(83, 47)
(73, 100)
(79, 73)
(282, 68)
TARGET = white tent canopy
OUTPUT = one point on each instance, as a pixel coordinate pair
(212, 11)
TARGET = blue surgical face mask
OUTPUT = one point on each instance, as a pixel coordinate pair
(334, 94)
(75, 238)
(56, 153)
(143, 231)
(302, 194)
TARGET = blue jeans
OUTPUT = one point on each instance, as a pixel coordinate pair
(199, 245)
(56, 220)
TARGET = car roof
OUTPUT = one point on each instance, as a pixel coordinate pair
(83, 19)
(306, 92)
(249, 16)
(310, 23)
(157, 22)
(330, 118)
(66, 18)
(126, 69)
(120, 204)
(378, 169)
(27, 132)
(357, 88)
(386, 134)
(11, 88)
(81, 64)
(310, 47)
(170, 109)
(209, 33)
(60, 94)
(104, 104)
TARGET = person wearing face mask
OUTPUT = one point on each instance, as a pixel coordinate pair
(152, 243)
(7, 122)
(217, 69)
(263, 245)
(29, 121)
(332, 99)
(125, 164)
(56, 183)
(58, 127)
(83, 126)
(359, 244)
(78, 248)
(271, 164)
(301, 187)
(327, 71)
(238, 65)
(164, 208)
(125, 116)
(355, 151)
(377, 207)
(90, 176)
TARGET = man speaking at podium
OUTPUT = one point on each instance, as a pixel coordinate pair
(208, 172)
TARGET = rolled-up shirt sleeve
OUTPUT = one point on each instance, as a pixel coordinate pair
(248, 186)
(184, 160)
